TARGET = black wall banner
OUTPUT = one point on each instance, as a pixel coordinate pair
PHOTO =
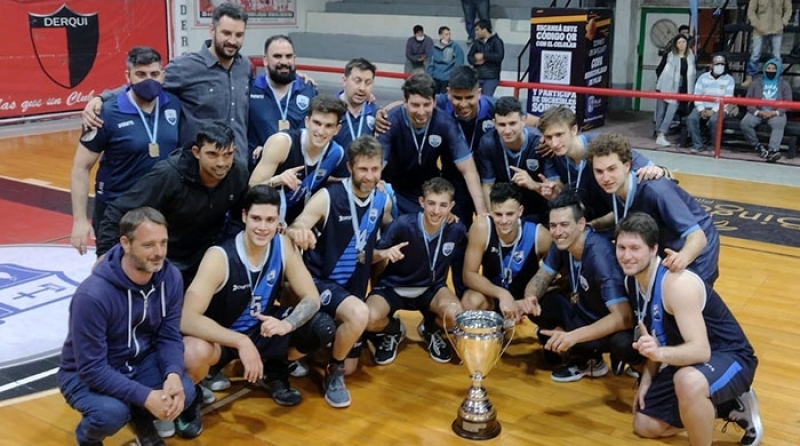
(570, 47)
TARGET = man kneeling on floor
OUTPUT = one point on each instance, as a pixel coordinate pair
(231, 307)
(696, 351)
(122, 359)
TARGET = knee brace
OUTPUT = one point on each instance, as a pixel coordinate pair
(317, 332)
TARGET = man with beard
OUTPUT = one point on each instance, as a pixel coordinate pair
(687, 234)
(338, 230)
(211, 83)
(122, 360)
(279, 98)
(300, 161)
(128, 152)
(699, 363)
(194, 188)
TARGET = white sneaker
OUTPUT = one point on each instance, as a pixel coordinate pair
(208, 396)
(662, 141)
(746, 415)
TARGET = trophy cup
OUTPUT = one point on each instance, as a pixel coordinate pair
(478, 339)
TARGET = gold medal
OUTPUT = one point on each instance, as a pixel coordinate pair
(574, 298)
(153, 149)
(361, 257)
(283, 124)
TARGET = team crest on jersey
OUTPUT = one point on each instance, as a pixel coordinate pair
(371, 122)
(373, 215)
(272, 277)
(518, 256)
(447, 248)
(320, 174)
(435, 140)
(325, 297)
(171, 116)
(36, 286)
(656, 312)
(532, 164)
(88, 134)
(487, 125)
(302, 102)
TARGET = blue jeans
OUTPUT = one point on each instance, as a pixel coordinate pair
(665, 112)
(488, 86)
(757, 46)
(693, 122)
(470, 7)
(104, 415)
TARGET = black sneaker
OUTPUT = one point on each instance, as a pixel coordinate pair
(281, 391)
(145, 433)
(746, 415)
(438, 348)
(386, 345)
(189, 423)
(617, 366)
(762, 150)
(575, 371)
(773, 156)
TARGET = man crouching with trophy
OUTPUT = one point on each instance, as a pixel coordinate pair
(502, 255)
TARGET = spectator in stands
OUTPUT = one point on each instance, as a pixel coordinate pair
(770, 87)
(471, 7)
(486, 55)
(418, 50)
(666, 49)
(676, 74)
(446, 55)
(716, 82)
(768, 17)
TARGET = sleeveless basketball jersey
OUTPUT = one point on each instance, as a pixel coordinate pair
(335, 257)
(724, 332)
(234, 306)
(519, 263)
(313, 177)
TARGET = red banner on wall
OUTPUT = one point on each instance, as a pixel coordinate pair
(58, 54)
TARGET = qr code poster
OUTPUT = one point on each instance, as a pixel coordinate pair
(555, 67)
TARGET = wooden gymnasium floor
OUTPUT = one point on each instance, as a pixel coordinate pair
(414, 400)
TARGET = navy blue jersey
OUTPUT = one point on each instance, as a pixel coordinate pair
(313, 176)
(472, 130)
(124, 142)
(427, 257)
(677, 215)
(352, 128)
(724, 332)
(494, 161)
(596, 277)
(581, 176)
(511, 267)
(404, 147)
(335, 256)
(246, 291)
(265, 111)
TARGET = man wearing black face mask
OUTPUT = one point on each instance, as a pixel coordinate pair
(770, 87)
(141, 129)
(716, 82)
(279, 98)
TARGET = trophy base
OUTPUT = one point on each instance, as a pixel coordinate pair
(476, 431)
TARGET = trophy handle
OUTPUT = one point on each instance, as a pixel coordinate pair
(444, 323)
(510, 323)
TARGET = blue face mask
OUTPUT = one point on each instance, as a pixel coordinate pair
(147, 90)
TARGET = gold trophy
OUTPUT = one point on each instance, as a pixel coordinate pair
(478, 339)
